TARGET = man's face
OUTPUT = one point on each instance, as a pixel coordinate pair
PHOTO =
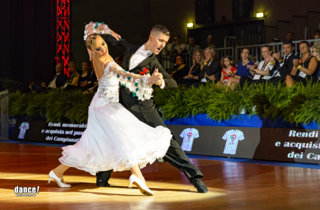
(287, 49)
(208, 55)
(158, 41)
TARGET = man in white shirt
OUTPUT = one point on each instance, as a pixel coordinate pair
(142, 60)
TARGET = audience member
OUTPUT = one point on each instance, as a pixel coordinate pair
(242, 69)
(303, 69)
(262, 72)
(285, 66)
(176, 47)
(228, 70)
(180, 70)
(211, 70)
(315, 52)
(192, 46)
(195, 69)
(73, 79)
(59, 78)
(87, 76)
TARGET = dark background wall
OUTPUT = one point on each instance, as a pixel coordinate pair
(132, 19)
(27, 42)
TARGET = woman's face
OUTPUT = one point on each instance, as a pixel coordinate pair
(314, 52)
(100, 48)
(265, 52)
(304, 48)
(179, 60)
(226, 62)
(197, 57)
(245, 54)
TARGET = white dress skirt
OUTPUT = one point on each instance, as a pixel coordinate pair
(114, 137)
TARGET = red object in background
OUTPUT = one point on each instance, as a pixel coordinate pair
(63, 34)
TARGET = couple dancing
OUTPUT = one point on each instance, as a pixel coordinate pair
(130, 134)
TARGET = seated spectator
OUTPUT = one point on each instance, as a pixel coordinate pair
(303, 69)
(242, 69)
(197, 65)
(59, 78)
(315, 52)
(72, 82)
(228, 70)
(285, 64)
(87, 76)
(180, 70)
(211, 70)
(262, 72)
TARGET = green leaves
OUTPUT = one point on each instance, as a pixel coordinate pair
(299, 104)
(55, 106)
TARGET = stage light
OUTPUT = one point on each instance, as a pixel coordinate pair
(260, 14)
(189, 25)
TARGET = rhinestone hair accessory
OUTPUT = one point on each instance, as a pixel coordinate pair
(96, 28)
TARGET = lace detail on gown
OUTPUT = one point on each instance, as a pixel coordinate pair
(108, 86)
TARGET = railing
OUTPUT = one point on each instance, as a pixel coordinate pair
(255, 52)
(4, 122)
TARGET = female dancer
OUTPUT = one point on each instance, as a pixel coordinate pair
(114, 138)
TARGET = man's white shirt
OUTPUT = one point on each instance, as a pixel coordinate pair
(140, 55)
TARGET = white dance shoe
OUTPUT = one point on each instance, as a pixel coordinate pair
(140, 184)
(53, 176)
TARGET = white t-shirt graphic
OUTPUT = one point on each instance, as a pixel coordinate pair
(188, 135)
(23, 129)
(232, 138)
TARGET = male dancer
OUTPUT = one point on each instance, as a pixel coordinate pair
(142, 59)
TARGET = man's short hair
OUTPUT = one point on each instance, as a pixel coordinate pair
(161, 28)
(288, 42)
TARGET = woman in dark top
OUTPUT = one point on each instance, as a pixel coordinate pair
(87, 77)
(303, 69)
(180, 70)
(195, 69)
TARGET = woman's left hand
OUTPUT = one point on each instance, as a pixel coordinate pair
(115, 35)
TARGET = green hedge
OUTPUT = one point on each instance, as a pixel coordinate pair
(299, 104)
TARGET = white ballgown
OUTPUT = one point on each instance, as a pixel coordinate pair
(114, 137)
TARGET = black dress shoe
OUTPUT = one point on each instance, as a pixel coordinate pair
(200, 185)
(103, 178)
(101, 183)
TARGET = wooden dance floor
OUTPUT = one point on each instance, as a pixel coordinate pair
(232, 185)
